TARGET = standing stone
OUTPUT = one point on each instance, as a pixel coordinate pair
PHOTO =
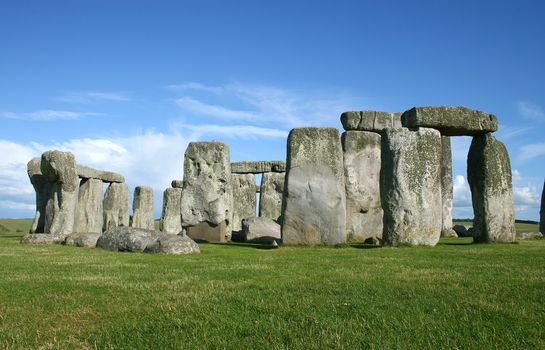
(314, 205)
(244, 198)
(361, 155)
(207, 199)
(171, 216)
(542, 212)
(446, 187)
(116, 206)
(410, 186)
(89, 214)
(59, 169)
(142, 208)
(43, 192)
(271, 194)
(490, 181)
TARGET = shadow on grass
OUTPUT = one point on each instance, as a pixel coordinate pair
(363, 246)
(262, 246)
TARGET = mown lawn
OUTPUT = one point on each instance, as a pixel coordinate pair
(456, 295)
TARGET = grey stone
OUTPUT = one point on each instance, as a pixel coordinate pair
(171, 216)
(207, 232)
(370, 120)
(142, 208)
(314, 204)
(82, 239)
(126, 239)
(490, 181)
(86, 172)
(42, 238)
(172, 244)
(528, 235)
(244, 198)
(207, 192)
(450, 120)
(177, 184)
(116, 206)
(258, 167)
(270, 199)
(361, 158)
(542, 212)
(373, 241)
(410, 186)
(42, 189)
(89, 212)
(258, 188)
(446, 187)
(461, 231)
(261, 230)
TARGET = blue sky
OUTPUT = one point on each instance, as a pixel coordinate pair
(125, 85)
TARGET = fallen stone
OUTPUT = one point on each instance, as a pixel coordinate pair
(206, 232)
(244, 198)
(258, 167)
(89, 208)
(42, 189)
(410, 186)
(42, 238)
(528, 235)
(126, 239)
(261, 230)
(446, 187)
(171, 216)
(116, 206)
(177, 184)
(490, 181)
(314, 208)
(172, 244)
(270, 199)
(142, 208)
(82, 239)
(450, 120)
(86, 172)
(461, 231)
(370, 120)
(361, 159)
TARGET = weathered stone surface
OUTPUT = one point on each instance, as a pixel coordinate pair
(270, 199)
(177, 184)
(461, 230)
(446, 187)
(171, 216)
(42, 238)
(361, 158)
(261, 230)
(82, 239)
(126, 239)
(370, 120)
(207, 192)
(89, 212)
(257, 167)
(542, 212)
(490, 181)
(116, 206)
(142, 208)
(410, 186)
(172, 244)
(59, 169)
(244, 198)
(207, 232)
(528, 235)
(86, 172)
(450, 120)
(314, 205)
(42, 188)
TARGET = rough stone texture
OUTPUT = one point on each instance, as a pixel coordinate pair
(542, 212)
(257, 167)
(86, 172)
(177, 184)
(361, 158)
(42, 238)
(270, 199)
(172, 244)
(89, 212)
(244, 198)
(461, 230)
(528, 235)
(206, 232)
(142, 208)
(450, 120)
(314, 205)
(126, 239)
(207, 193)
(82, 239)
(171, 216)
(116, 206)
(261, 230)
(410, 186)
(490, 181)
(42, 188)
(446, 187)
(59, 169)
(370, 120)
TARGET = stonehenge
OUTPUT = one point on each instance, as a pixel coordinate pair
(387, 179)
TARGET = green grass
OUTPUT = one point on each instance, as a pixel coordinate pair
(456, 295)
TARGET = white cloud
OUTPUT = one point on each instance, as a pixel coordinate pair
(232, 131)
(189, 104)
(532, 150)
(48, 115)
(461, 192)
(526, 196)
(93, 96)
(531, 111)
(197, 87)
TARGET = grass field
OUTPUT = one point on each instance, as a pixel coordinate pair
(456, 295)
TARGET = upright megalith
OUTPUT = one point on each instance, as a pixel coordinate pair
(490, 181)
(361, 158)
(270, 198)
(116, 206)
(410, 186)
(142, 208)
(42, 189)
(207, 198)
(446, 187)
(542, 212)
(59, 170)
(171, 216)
(244, 198)
(90, 213)
(314, 205)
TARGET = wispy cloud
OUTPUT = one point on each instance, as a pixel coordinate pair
(192, 105)
(531, 111)
(48, 115)
(232, 131)
(531, 151)
(197, 87)
(93, 96)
